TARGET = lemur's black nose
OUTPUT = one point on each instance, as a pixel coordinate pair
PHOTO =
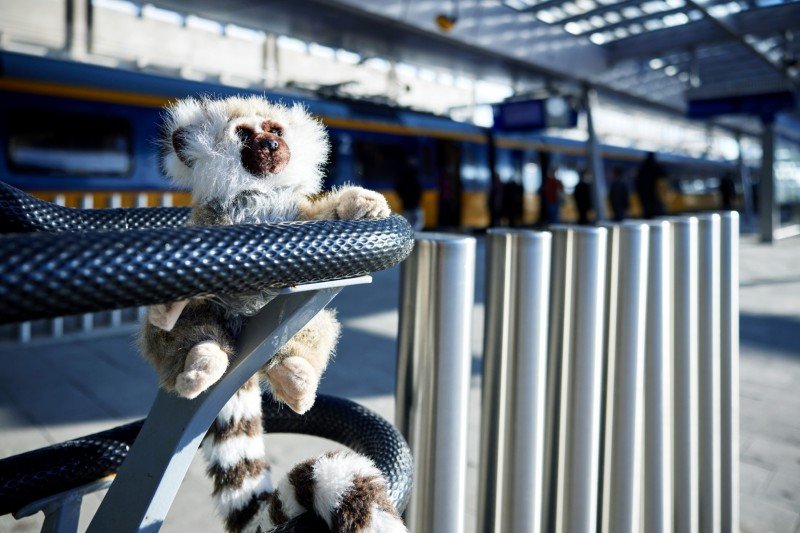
(269, 144)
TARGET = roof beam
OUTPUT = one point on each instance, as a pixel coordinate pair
(704, 32)
(532, 8)
(601, 10)
(625, 23)
(735, 35)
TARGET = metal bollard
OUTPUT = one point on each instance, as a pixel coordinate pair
(657, 493)
(729, 374)
(684, 359)
(710, 461)
(581, 372)
(624, 414)
(560, 256)
(513, 406)
(433, 375)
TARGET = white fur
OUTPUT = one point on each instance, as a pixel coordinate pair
(260, 519)
(242, 405)
(383, 522)
(230, 451)
(215, 150)
(229, 500)
(291, 507)
(333, 477)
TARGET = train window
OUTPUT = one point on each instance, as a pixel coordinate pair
(381, 164)
(531, 173)
(569, 177)
(68, 144)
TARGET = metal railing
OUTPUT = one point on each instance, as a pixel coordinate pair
(610, 377)
(87, 324)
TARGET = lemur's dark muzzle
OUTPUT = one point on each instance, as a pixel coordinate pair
(269, 144)
(263, 153)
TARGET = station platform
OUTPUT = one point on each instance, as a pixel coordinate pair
(50, 392)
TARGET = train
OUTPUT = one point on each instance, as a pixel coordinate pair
(72, 131)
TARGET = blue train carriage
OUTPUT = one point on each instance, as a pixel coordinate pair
(73, 131)
(691, 185)
(86, 135)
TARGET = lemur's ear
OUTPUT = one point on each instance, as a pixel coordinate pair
(180, 144)
(180, 119)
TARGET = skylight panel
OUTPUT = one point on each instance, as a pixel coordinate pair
(653, 24)
(162, 15)
(571, 9)
(121, 6)
(245, 34)
(204, 24)
(612, 17)
(347, 57)
(597, 21)
(631, 12)
(546, 16)
(598, 38)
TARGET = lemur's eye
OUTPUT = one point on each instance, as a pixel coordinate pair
(244, 133)
(277, 131)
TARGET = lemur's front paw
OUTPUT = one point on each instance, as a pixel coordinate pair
(205, 364)
(294, 382)
(356, 203)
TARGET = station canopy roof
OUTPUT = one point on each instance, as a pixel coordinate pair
(655, 52)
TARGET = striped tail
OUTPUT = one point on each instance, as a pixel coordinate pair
(343, 488)
(234, 450)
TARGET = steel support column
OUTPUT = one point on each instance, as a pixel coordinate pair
(767, 212)
(595, 158)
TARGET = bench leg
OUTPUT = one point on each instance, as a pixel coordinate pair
(148, 480)
(63, 517)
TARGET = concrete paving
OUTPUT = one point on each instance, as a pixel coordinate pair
(51, 392)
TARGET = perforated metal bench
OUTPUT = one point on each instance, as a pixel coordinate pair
(58, 261)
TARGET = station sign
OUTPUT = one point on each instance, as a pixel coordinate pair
(528, 115)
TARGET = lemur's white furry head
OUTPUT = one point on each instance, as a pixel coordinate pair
(219, 148)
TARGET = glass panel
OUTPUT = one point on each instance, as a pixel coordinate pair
(68, 144)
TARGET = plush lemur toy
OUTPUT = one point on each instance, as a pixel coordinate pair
(246, 161)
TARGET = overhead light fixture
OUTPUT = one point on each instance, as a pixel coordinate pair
(446, 21)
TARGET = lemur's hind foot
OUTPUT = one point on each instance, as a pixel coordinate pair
(294, 382)
(205, 364)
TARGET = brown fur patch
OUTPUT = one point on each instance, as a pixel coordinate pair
(248, 426)
(200, 321)
(355, 511)
(302, 479)
(234, 476)
(237, 520)
(276, 513)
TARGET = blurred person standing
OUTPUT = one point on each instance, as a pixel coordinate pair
(727, 190)
(618, 195)
(513, 202)
(648, 180)
(583, 197)
(409, 189)
(550, 194)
